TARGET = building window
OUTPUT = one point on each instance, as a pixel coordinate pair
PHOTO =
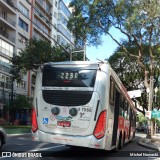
(41, 26)
(64, 9)
(64, 32)
(48, 7)
(22, 39)
(62, 19)
(5, 81)
(6, 48)
(18, 51)
(56, 3)
(23, 24)
(55, 15)
(21, 85)
(61, 40)
(40, 2)
(54, 37)
(24, 10)
(5, 64)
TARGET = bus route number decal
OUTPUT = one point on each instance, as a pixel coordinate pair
(85, 109)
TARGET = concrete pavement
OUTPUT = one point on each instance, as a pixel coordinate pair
(153, 143)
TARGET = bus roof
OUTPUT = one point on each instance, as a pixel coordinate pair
(77, 63)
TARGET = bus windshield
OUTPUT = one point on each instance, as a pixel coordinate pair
(68, 77)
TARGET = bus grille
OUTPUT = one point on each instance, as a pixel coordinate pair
(67, 98)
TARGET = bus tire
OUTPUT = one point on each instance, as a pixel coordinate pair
(119, 143)
(134, 134)
(124, 138)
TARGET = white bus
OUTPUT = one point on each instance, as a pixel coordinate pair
(82, 104)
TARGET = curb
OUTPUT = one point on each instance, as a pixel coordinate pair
(148, 145)
(18, 134)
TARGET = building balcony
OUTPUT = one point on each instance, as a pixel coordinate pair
(7, 35)
(8, 54)
(64, 9)
(8, 19)
(44, 19)
(9, 2)
(64, 32)
(8, 6)
(43, 6)
(41, 33)
(5, 85)
(4, 67)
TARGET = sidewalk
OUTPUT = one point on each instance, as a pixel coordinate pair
(153, 143)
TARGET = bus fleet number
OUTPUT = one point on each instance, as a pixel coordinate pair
(85, 109)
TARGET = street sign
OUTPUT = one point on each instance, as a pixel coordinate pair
(159, 79)
(155, 114)
(148, 114)
(134, 93)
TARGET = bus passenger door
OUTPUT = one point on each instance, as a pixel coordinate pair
(116, 115)
(130, 123)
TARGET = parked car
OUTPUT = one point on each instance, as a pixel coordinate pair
(3, 137)
(142, 129)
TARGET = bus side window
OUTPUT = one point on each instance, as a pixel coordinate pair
(129, 112)
(121, 106)
(126, 110)
(112, 91)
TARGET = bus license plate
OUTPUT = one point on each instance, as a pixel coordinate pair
(64, 123)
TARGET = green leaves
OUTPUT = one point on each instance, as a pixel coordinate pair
(36, 53)
(131, 74)
(22, 102)
(84, 22)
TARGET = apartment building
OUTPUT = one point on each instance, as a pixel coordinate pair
(21, 20)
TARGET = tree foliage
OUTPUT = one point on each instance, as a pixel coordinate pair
(141, 119)
(131, 75)
(138, 21)
(22, 102)
(84, 20)
(36, 53)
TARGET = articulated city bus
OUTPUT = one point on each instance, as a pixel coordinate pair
(82, 104)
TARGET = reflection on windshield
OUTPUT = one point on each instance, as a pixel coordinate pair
(68, 77)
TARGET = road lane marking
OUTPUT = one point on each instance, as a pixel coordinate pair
(43, 149)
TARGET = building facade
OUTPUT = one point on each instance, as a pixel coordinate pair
(21, 20)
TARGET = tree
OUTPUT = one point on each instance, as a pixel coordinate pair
(36, 53)
(84, 22)
(139, 21)
(141, 119)
(131, 74)
(22, 102)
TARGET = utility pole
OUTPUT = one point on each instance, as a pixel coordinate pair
(84, 55)
(84, 52)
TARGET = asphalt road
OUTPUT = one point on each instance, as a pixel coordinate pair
(22, 147)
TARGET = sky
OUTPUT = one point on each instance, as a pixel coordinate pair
(107, 48)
